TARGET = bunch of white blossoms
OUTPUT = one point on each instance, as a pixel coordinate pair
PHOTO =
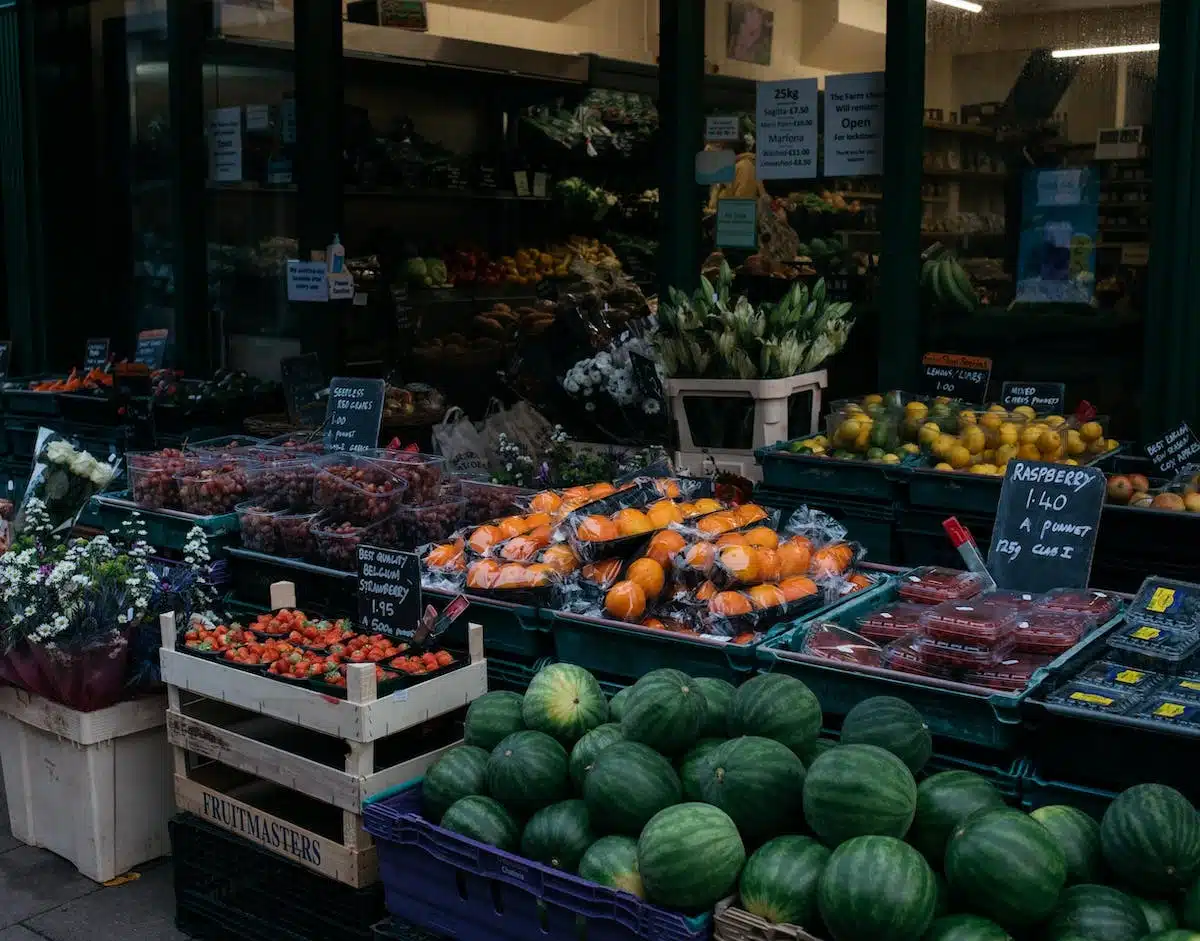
(611, 371)
(80, 463)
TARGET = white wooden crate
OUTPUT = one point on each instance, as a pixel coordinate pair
(93, 787)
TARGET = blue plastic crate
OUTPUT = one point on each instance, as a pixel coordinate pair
(451, 885)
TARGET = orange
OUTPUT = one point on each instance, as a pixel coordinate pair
(512, 526)
(766, 596)
(663, 513)
(667, 487)
(570, 506)
(733, 539)
(716, 523)
(859, 582)
(768, 565)
(520, 549)
(600, 491)
(534, 520)
(625, 601)
(741, 562)
(648, 575)
(597, 529)
(654, 623)
(539, 574)
(513, 575)
(664, 545)
(706, 505)
(632, 522)
(545, 502)
(447, 555)
(484, 538)
(794, 557)
(561, 558)
(577, 494)
(763, 537)
(602, 573)
(541, 534)
(705, 591)
(687, 509)
(750, 513)
(797, 587)
(832, 560)
(482, 574)
(730, 603)
(700, 556)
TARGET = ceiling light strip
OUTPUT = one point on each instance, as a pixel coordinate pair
(1105, 50)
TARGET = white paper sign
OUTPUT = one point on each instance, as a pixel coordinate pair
(737, 223)
(1060, 187)
(307, 281)
(854, 124)
(786, 129)
(341, 287)
(721, 127)
(258, 117)
(715, 166)
(225, 145)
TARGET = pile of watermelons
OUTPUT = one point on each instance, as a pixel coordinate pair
(683, 791)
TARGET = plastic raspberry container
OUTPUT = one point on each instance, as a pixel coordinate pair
(1042, 631)
(1094, 698)
(932, 584)
(1100, 605)
(973, 623)
(959, 656)
(904, 656)
(892, 621)
(830, 642)
(1017, 600)
(1121, 676)
(1010, 675)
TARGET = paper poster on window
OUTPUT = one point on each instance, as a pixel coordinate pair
(854, 124)
(786, 129)
(225, 145)
(1057, 262)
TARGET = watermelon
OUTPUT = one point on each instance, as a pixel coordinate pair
(1078, 836)
(689, 856)
(1005, 865)
(628, 784)
(1097, 912)
(460, 772)
(1189, 908)
(692, 767)
(665, 710)
(758, 782)
(776, 706)
(779, 881)
(942, 906)
(484, 820)
(1178, 934)
(893, 724)
(856, 790)
(564, 701)
(558, 835)
(966, 928)
(587, 748)
(491, 717)
(1150, 836)
(527, 771)
(616, 705)
(718, 695)
(944, 800)
(876, 888)
(816, 750)
(1159, 914)
(612, 861)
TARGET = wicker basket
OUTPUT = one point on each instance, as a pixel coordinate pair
(734, 924)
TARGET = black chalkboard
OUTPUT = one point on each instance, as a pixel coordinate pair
(1175, 450)
(303, 383)
(1046, 525)
(354, 414)
(152, 348)
(1045, 398)
(5, 357)
(955, 376)
(389, 592)
(95, 354)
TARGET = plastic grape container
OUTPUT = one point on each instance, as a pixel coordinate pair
(1100, 605)
(296, 539)
(283, 485)
(1018, 600)
(971, 623)
(258, 528)
(213, 488)
(1043, 631)
(357, 490)
(932, 584)
(892, 621)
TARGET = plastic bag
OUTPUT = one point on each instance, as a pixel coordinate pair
(461, 444)
(64, 478)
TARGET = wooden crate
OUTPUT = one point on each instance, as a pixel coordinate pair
(247, 749)
(731, 923)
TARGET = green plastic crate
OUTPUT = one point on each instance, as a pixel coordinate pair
(508, 629)
(166, 529)
(921, 539)
(1036, 792)
(873, 524)
(955, 493)
(1006, 777)
(783, 470)
(512, 675)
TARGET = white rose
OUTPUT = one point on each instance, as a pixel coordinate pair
(59, 452)
(101, 475)
(81, 464)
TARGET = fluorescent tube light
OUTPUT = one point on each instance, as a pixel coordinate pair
(969, 5)
(1105, 50)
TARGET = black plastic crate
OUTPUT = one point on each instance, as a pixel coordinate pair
(228, 889)
(921, 540)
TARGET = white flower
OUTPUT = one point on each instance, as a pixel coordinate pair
(651, 407)
(101, 475)
(82, 463)
(59, 452)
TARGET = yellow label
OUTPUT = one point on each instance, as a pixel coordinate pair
(1169, 710)
(1092, 698)
(1146, 632)
(1129, 676)
(1189, 684)
(1162, 599)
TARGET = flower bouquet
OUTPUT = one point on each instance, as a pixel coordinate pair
(64, 479)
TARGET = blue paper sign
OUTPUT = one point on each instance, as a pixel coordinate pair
(737, 223)
(1057, 263)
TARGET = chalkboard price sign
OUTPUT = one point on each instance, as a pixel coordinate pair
(1046, 526)
(389, 592)
(1175, 450)
(95, 354)
(303, 383)
(152, 348)
(354, 414)
(955, 376)
(1045, 398)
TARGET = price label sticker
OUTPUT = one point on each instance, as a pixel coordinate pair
(1170, 710)
(1161, 600)
(1094, 698)
(1146, 632)
(1132, 677)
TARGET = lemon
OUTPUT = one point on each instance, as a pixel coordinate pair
(943, 445)
(1026, 411)
(1099, 446)
(959, 457)
(1071, 461)
(910, 448)
(1049, 442)
(1054, 421)
(819, 439)
(891, 459)
(1075, 444)
(967, 417)
(916, 408)
(942, 400)
(848, 430)
(929, 433)
(991, 421)
(863, 441)
(1005, 453)
(943, 466)
(1029, 452)
(873, 399)
(988, 469)
(1008, 433)
(1030, 434)
(1111, 444)
(997, 410)
(974, 439)
(1090, 431)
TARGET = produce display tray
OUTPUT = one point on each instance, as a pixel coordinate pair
(869, 522)
(783, 470)
(326, 590)
(166, 528)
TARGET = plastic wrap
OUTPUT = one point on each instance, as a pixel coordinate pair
(831, 642)
(1051, 632)
(891, 622)
(64, 478)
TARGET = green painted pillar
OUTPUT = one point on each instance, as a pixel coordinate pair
(1172, 325)
(681, 122)
(903, 141)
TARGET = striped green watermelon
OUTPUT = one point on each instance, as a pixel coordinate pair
(558, 835)
(564, 701)
(491, 717)
(1159, 914)
(527, 771)
(816, 750)
(1177, 934)
(893, 724)
(718, 696)
(587, 748)
(779, 880)
(856, 790)
(965, 928)
(876, 888)
(942, 906)
(944, 800)
(616, 705)
(665, 710)
(1189, 908)
(1150, 836)
(693, 765)
(776, 706)
(1097, 912)
(628, 784)
(1005, 865)
(460, 772)
(758, 782)
(612, 861)
(484, 820)
(1078, 836)
(689, 856)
